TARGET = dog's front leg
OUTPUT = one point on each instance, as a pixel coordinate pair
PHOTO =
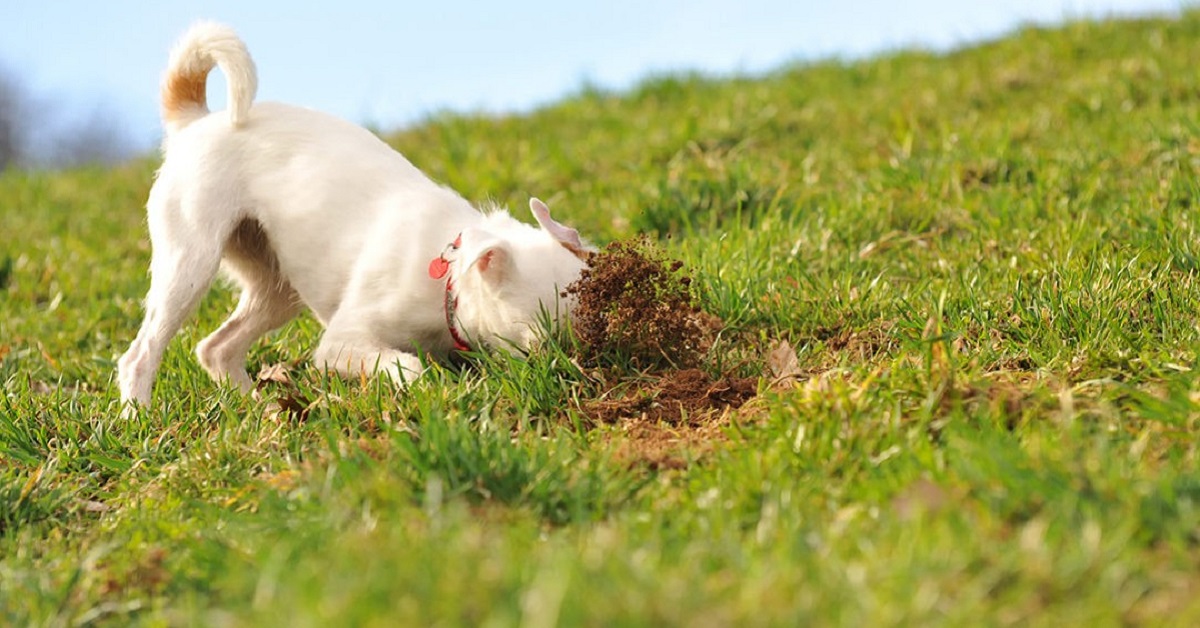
(352, 358)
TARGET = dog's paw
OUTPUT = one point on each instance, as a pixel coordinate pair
(404, 369)
(130, 409)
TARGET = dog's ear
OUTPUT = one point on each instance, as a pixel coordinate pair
(493, 262)
(568, 236)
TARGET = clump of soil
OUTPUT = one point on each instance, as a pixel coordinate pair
(634, 304)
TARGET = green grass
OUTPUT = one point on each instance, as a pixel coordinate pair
(987, 262)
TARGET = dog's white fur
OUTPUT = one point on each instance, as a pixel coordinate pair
(302, 208)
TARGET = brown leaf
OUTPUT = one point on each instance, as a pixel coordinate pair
(783, 361)
(275, 373)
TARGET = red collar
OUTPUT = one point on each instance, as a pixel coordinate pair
(440, 267)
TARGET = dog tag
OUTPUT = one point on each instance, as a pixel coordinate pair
(438, 267)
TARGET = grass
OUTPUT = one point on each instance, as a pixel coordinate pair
(985, 262)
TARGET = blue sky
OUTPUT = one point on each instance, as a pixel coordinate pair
(389, 63)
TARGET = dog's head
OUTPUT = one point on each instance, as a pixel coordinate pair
(507, 274)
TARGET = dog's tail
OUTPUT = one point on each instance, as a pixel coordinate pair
(185, 83)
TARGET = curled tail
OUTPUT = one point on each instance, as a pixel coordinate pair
(185, 83)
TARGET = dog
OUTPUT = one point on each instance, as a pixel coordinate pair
(303, 209)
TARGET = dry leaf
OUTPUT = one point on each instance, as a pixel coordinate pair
(275, 373)
(783, 361)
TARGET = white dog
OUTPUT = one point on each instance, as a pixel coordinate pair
(305, 209)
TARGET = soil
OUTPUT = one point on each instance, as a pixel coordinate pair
(642, 443)
(687, 397)
(669, 421)
(634, 305)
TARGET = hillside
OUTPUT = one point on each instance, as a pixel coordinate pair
(964, 285)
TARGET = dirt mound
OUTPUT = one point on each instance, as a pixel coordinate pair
(635, 305)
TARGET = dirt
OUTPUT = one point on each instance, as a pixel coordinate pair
(634, 305)
(687, 397)
(642, 443)
(669, 420)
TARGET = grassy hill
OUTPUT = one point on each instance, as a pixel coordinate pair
(984, 266)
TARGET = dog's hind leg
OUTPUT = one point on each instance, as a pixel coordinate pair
(260, 309)
(179, 277)
(267, 302)
(187, 235)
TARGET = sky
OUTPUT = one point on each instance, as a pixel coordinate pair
(389, 64)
